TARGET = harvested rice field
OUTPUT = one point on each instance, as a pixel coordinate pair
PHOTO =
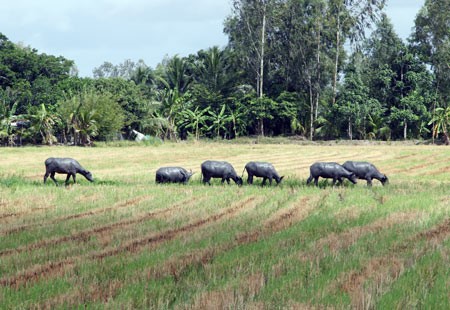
(125, 242)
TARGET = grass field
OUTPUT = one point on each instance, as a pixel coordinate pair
(125, 242)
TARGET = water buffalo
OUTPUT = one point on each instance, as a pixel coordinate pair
(366, 171)
(262, 170)
(330, 171)
(219, 169)
(173, 175)
(67, 166)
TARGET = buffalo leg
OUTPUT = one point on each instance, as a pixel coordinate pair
(369, 182)
(52, 176)
(264, 181)
(46, 176)
(206, 180)
(270, 181)
(250, 179)
(316, 181)
(68, 178)
(309, 179)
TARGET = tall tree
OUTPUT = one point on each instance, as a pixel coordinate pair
(398, 80)
(350, 20)
(248, 28)
(303, 49)
(353, 103)
(431, 41)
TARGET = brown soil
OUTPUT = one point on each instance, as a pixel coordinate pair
(38, 272)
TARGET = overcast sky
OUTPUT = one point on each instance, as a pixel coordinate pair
(91, 32)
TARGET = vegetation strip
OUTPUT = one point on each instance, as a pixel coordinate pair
(176, 266)
(338, 242)
(170, 234)
(41, 271)
(85, 235)
(38, 272)
(17, 214)
(386, 269)
(76, 216)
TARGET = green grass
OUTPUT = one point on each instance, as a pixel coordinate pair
(126, 242)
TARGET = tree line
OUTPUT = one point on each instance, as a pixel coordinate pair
(291, 67)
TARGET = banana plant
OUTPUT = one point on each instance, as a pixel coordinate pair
(8, 117)
(195, 120)
(219, 120)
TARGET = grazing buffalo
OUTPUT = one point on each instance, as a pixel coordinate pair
(219, 169)
(330, 171)
(366, 171)
(173, 175)
(262, 170)
(67, 166)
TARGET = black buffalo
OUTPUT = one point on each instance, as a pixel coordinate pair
(262, 170)
(219, 169)
(67, 166)
(173, 175)
(330, 171)
(366, 171)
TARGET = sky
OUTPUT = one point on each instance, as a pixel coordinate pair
(91, 32)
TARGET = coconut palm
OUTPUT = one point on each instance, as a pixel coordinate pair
(43, 123)
(441, 121)
(85, 125)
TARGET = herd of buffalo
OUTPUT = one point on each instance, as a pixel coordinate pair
(351, 170)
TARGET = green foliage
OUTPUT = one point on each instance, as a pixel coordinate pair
(43, 123)
(89, 114)
(218, 120)
(441, 123)
(280, 74)
(194, 120)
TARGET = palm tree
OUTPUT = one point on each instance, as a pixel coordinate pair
(176, 75)
(214, 70)
(85, 125)
(43, 122)
(441, 121)
(171, 102)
